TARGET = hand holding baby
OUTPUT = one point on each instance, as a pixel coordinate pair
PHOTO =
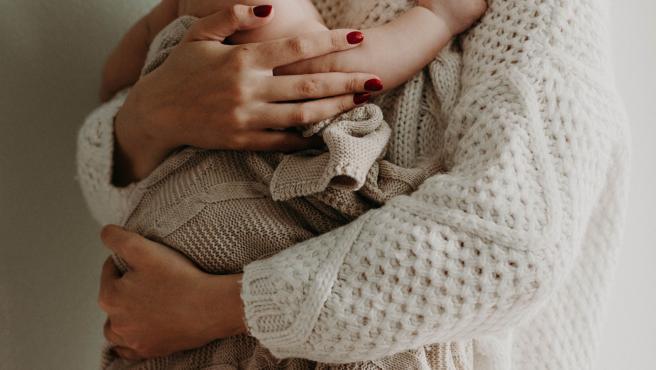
(215, 96)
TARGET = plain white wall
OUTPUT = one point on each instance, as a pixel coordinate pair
(50, 55)
(629, 341)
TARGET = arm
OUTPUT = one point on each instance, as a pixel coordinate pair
(399, 49)
(123, 140)
(478, 249)
(124, 64)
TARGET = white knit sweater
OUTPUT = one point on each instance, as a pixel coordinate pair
(514, 246)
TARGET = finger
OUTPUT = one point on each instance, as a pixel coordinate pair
(111, 336)
(110, 274)
(320, 85)
(127, 353)
(286, 115)
(277, 141)
(223, 23)
(281, 52)
(131, 247)
(323, 64)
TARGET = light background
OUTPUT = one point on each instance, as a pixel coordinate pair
(50, 257)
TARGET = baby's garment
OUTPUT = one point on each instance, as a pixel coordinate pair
(225, 209)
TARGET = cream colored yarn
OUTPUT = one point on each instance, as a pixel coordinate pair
(513, 245)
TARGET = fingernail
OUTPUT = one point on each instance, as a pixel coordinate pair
(355, 37)
(373, 85)
(262, 11)
(361, 98)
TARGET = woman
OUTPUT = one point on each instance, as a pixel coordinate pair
(512, 246)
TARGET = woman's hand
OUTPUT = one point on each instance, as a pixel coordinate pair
(216, 96)
(164, 304)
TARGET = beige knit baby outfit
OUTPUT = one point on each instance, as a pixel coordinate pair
(225, 209)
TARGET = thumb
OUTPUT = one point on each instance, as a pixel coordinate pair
(225, 22)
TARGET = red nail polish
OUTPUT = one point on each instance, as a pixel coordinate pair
(355, 37)
(262, 11)
(373, 85)
(361, 98)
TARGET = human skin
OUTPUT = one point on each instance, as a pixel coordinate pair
(123, 66)
(157, 119)
(213, 310)
(215, 96)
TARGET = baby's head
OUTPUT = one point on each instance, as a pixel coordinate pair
(291, 18)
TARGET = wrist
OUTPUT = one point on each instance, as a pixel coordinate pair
(442, 18)
(137, 152)
(456, 18)
(225, 307)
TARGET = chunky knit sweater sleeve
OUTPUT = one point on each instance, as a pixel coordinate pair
(531, 144)
(95, 152)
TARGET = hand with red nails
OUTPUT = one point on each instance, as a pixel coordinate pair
(215, 96)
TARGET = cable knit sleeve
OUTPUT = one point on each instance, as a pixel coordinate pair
(476, 249)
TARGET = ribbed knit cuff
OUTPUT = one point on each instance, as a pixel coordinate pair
(283, 295)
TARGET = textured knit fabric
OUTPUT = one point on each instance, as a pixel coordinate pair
(513, 245)
(225, 209)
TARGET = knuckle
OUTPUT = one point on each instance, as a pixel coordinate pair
(352, 84)
(106, 233)
(233, 16)
(239, 119)
(336, 41)
(242, 94)
(309, 87)
(109, 330)
(238, 142)
(105, 300)
(240, 58)
(118, 327)
(343, 105)
(299, 46)
(132, 242)
(301, 114)
(138, 346)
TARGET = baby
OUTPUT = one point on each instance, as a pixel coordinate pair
(225, 209)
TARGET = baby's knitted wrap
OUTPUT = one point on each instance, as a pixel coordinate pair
(225, 209)
(512, 244)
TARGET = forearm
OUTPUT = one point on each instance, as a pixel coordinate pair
(418, 36)
(394, 52)
(136, 152)
(124, 64)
